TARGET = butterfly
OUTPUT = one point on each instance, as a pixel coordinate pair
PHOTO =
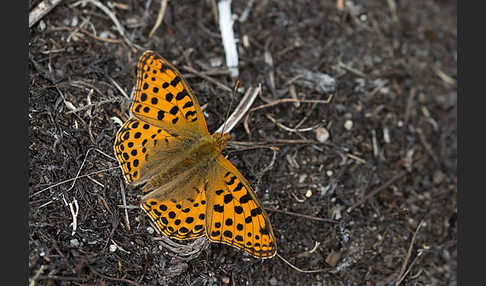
(189, 189)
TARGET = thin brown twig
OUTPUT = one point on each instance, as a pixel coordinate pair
(272, 144)
(210, 79)
(113, 18)
(410, 102)
(352, 70)
(113, 100)
(279, 101)
(160, 17)
(214, 9)
(302, 215)
(61, 278)
(113, 278)
(427, 146)
(402, 273)
(306, 116)
(293, 130)
(298, 269)
(84, 31)
(381, 188)
(107, 40)
(72, 179)
(284, 100)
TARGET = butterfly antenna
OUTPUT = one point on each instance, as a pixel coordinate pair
(237, 84)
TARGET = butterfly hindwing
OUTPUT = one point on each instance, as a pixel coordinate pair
(234, 215)
(164, 99)
(178, 219)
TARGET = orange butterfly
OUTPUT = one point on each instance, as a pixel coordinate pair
(190, 189)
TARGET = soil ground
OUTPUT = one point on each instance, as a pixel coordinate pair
(376, 178)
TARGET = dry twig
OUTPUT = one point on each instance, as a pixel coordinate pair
(41, 10)
(210, 79)
(302, 215)
(403, 274)
(112, 16)
(160, 17)
(241, 109)
(381, 188)
(298, 269)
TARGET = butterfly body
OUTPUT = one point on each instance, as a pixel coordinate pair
(199, 157)
(190, 190)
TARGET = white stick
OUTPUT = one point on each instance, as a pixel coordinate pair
(41, 10)
(229, 43)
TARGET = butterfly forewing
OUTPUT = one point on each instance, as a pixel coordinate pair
(164, 99)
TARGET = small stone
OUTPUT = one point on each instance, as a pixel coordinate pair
(348, 124)
(246, 41)
(74, 21)
(333, 258)
(215, 62)
(322, 134)
(225, 280)
(386, 135)
(150, 230)
(329, 173)
(74, 242)
(113, 248)
(273, 281)
(308, 194)
(42, 25)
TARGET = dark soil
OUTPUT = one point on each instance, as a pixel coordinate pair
(394, 168)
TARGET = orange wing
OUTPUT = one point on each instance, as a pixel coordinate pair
(234, 214)
(164, 99)
(178, 219)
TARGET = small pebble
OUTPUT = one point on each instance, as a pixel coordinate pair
(386, 135)
(333, 258)
(329, 173)
(215, 62)
(74, 21)
(74, 242)
(150, 230)
(225, 280)
(322, 134)
(348, 124)
(246, 41)
(273, 281)
(308, 194)
(113, 248)
(42, 25)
